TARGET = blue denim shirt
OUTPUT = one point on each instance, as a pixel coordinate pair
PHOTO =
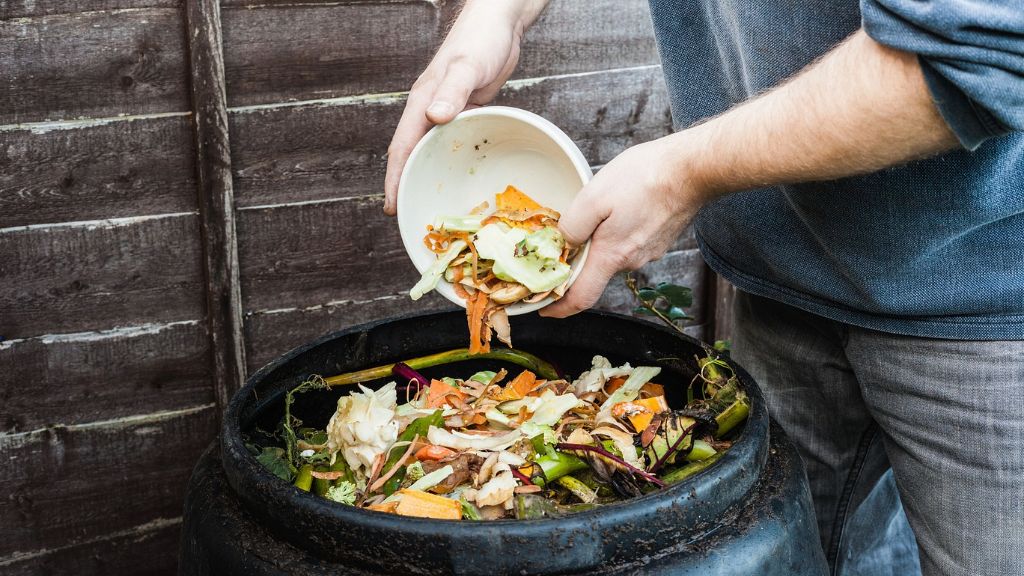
(934, 248)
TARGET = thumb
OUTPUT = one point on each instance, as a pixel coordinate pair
(597, 271)
(581, 219)
(453, 91)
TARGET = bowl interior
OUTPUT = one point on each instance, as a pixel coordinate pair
(458, 165)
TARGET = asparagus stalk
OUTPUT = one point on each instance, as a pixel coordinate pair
(690, 469)
(539, 367)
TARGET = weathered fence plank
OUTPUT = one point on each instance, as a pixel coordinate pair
(587, 35)
(10, 9)
(306, 254)
(147, 550)
(93, 376)
(332, 50)
(96, 64)
(99, 275)
(279, 53)
(216, 198)
(74, 483)
(111, 170)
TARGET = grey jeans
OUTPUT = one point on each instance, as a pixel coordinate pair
(882, 419)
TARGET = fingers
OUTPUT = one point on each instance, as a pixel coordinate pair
(453, 92)
(428, 104)
(411, 128)
(599, 269)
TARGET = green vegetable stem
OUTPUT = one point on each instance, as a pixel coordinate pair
(304, 479)
(539, 367)
(734, 415)
(684, 472)
(556, 464)
(320, 485)
(579, 489)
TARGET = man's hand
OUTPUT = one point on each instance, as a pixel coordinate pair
(473, 63)
(633, 211)
(861, 108)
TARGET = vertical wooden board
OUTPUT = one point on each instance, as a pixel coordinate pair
(147, 550)
(10, 9)
(94, 376)
(309, 254)
(273, 332)
(96, 64)
(216, 199)
(111, 170)
(69, 484)
(275, 53)
(99, 275)
(725, 296)
(588, 35)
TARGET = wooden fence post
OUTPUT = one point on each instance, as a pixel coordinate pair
(215, 196)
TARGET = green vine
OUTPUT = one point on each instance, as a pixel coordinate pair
(289, 423)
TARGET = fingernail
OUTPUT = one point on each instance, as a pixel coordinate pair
(440, 109)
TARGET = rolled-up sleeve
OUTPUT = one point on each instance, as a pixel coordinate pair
(971, 53)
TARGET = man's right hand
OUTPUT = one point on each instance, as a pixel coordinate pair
(473, 63)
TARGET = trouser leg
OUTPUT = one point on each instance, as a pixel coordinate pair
(952, 417)
(799, 360)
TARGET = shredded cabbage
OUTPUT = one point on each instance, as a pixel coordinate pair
(432, 275)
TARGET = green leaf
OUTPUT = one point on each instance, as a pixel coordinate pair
(642, 310)
(676, 313)
(678, 296)
(722, 345)
(275, 460)
(647, 294)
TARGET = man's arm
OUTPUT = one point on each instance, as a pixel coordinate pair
(474, 61)
(860, 108)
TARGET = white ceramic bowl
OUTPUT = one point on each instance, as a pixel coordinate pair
(458, 165)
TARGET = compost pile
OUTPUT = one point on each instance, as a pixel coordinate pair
(493, 260)
(525, 444)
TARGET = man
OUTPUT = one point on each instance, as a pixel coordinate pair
(870, 206)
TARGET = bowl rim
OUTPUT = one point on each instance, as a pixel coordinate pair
(410, 239)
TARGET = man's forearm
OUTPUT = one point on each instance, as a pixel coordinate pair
(861, 108)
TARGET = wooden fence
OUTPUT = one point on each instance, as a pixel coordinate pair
(188, 189)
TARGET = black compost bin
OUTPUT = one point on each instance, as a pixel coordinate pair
(748, 514)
